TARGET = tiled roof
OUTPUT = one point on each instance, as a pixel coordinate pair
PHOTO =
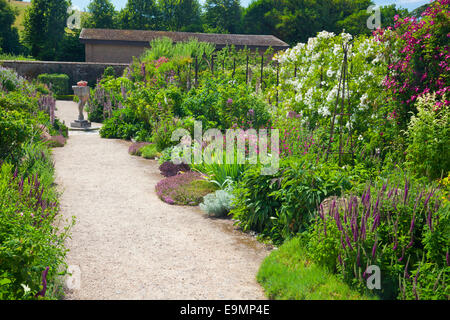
(145, 36)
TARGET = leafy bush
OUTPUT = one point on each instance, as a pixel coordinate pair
(32, 250)
(184, 189)
(109, 72)
(403, 229)
(217, 204)
(288, 274)
(59, 83)
(135, 148)
(16, 127)
(280, 205)
(168, 169)
(123, 125)
(428, 152)
(149, 151)
(223, 103)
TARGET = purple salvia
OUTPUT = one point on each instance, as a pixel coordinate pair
(395, 244)
(374, 248)
(428, 198)
(342, 242)
(348, 242)
(44, 283)
(340, 259)
(403, 255)
(429, 220)
(410, 242)
(447, 258)
(412, 223)
(405, 195)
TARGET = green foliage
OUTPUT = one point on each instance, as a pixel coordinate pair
(109, 72)
(140, 15)
(149, 151)
(30, 241)
(180, 15)
(223, 15)
(280, 205)
(16, 127)
(44, 22)
(428, 152)
(398, 227)
(219, 102)
(123, 125)
(58, 83)
(102, 15)
(9, 36)
(288, 274)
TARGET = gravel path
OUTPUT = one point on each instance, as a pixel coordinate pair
(130, 245)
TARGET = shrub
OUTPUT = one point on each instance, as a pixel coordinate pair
(403, 229)
(217, 204)
(123, 125)
(288, 274)
(280, 205)
(109, 72)
(184, 189)
(428, 152)
(219, 102)
(149, 151)
(16, 127)
(135, 148)
(168, 169)
(32, 248)
(59, 83)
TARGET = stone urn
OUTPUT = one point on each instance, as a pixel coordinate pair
(82, 92)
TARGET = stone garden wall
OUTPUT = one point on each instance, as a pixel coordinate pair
(88, 71)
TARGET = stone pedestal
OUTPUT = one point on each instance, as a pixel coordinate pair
(83, 95)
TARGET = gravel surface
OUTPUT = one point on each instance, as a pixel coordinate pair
(128, 244)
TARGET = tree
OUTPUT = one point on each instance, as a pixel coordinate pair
(180, 15)
(9, 37)
(223, 15)
(102, 15)
(140, 15)
(45, 22)
(256, 19)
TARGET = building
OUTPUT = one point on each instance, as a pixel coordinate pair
(119, 46)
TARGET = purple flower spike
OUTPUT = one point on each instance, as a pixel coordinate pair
(412, 224)
(44, 283)
(447, 258)
(405, 196)
(374, 248)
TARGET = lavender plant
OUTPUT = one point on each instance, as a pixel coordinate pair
(396, 227)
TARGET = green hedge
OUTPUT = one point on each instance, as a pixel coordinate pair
(59, 82)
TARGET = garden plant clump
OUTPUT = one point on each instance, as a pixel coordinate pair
(32, 251)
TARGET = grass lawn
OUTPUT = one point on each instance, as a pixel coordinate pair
(286, 274)
(21, 6)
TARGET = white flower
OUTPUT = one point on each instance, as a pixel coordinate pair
(360, 138)
(323, 111)
(325, 35)
(25, 288)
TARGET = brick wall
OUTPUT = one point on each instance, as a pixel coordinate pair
(114, 53)
(76, 71)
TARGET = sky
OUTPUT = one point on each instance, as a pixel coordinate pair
(408, 4)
